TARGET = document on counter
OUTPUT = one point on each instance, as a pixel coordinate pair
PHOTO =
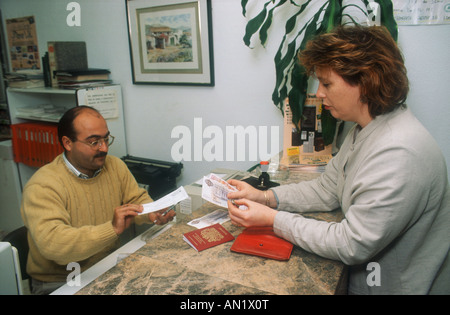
(215, 190)
(167, 201)
(218, 216)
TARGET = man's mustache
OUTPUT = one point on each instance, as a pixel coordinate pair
(101, 154)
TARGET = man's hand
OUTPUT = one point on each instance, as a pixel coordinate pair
(161, 217)
(124, 216)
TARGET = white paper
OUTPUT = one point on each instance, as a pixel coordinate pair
(167, 201)
(103, 100)
(421, 12)
(219, 216)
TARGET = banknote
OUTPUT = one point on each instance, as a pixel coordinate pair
(215, 190)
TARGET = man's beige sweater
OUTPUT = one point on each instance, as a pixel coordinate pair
(69, 219)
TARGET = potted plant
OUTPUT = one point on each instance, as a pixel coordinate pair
(308, 18)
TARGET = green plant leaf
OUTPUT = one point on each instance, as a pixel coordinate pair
(387, 17)
(244, 7)
(265, 27)
(331, 18)
(255, 24)
(297, 96)
(299, 78)
(284, 64)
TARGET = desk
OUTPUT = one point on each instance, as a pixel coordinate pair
(168, 265)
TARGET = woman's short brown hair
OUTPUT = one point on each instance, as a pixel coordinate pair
(364, 56)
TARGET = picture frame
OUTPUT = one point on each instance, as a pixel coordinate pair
(171, 42)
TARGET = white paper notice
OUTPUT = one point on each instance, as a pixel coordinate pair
(167, 201)
(421, 12)
(104, 100)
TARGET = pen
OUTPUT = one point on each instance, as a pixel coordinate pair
(166, 212)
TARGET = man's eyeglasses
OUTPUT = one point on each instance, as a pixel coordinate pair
(98, 143)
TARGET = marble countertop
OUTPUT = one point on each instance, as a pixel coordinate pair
(168, 265)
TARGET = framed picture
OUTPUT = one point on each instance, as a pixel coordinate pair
(171, 42)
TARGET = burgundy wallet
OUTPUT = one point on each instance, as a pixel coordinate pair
(262, 241)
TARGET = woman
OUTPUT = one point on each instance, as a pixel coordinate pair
(389, 177)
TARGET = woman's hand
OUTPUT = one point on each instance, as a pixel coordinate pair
(256, 214)
(246, 191)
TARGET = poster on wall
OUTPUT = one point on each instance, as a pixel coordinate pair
(23, 43)
(421, 12)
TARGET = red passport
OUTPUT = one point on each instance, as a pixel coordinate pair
(208, 237)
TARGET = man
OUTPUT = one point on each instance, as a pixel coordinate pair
(76, 207)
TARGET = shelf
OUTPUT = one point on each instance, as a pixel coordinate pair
(43, 90)
(38, 118)
(47, 104)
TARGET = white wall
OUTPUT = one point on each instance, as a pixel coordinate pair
(244, 77)
(427, 56)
